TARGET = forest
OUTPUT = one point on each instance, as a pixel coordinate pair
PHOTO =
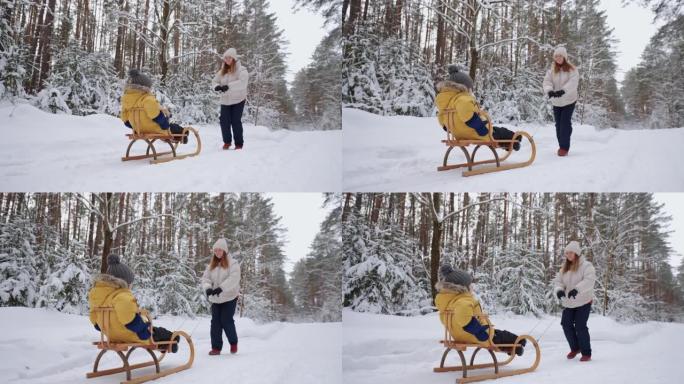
(395, 51)
(71, 56)
(52, 244)
(513, 244)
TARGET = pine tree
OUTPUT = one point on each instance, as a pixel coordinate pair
(18, 264)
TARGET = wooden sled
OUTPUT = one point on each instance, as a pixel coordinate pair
(460, 347)
(157, 346)
(452, 142)
(173, 140)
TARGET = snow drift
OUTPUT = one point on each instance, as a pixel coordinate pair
(401, 153)
(46, 152)
(41, 346)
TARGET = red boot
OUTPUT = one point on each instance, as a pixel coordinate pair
(214, 352)
(226, 146)
(238, 147)
(585, 358)
(572, 354)
(562, 152)
(233, 348)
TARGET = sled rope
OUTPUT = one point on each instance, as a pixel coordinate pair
(545, 330)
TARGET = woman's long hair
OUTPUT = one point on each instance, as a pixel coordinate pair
(225, 68)
(570, 265)
(565, 67)
(216, 261)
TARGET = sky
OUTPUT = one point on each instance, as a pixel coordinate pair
(674, 206)
(302, 29)
(633, 28)
(301, 214)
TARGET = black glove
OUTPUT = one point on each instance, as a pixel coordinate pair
(573, 294)
(221, 88)
(560, 93)
(551, 94)
(209, 291)
(217, 291)
(560, 294)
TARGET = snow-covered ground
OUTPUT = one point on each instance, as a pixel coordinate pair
(47, 152)
(400, 153)
(398, 350)
(41, 346)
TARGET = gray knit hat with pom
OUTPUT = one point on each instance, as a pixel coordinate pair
(117, 269)
(454, 276)
(458, 76)
(139, 78)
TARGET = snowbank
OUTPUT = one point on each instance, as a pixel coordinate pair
(41, 346)
(392, 349)
(46, 152)
(401, 153)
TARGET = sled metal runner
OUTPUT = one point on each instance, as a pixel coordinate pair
(151, 152)
(124, 351)
(452, 345)
(451, 143)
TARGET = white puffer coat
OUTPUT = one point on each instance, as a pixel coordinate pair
(237, 85)
(582, 280)
(567, 81)
(228, 279)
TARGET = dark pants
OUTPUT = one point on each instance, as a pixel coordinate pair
(231, 118)
(563, 118)
(574, 322)
(505, 337)
(222, 320)
(501, 133)
(163, 334)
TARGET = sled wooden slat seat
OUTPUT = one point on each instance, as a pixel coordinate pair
(452, 142)
(173, 140)
(452, 345)
(104, 345)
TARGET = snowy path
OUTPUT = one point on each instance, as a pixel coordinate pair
(403, 350)
(46, 152)
(399, 153)
(39, 346)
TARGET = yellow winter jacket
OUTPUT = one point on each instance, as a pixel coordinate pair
(456, 97)
(110, 291)
(135, 97)
(464, 306)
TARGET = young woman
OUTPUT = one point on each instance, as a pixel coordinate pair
(221, 283)
(574, 287)
(560, 84)
(231, 80)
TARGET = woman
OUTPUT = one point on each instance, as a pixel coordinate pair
(221, 283)
(574, 287)
(138, 95)
(126, 324)
(455, 294)
(231, 80)
(469, 121)
(560, 84)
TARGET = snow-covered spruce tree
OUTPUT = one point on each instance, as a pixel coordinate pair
(178, 287)
(520, 279)
(80, 83)
(315, 88)
(405, 79)
(190, 98)
(511, 97)
(68, 277)
(377, 271)
(360, 86)
(12, 54)
(19, 267)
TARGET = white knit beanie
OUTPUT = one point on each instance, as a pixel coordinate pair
(231, 52)
(573, 247)
(221, 244)
(561, 51)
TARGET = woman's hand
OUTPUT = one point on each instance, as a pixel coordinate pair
(209, 292)
(217, 291)
(560, 294)
(221, 88)
(572, 294)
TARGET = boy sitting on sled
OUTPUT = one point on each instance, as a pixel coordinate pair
(126, 325)
(138, 94)
(471, 122)
(454, 294)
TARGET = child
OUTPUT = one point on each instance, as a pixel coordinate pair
(138, 94)
(470, 122)
(454, 287)
(112, 289)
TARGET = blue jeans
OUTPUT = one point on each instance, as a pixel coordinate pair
(574, 322)
(222, 321)
(563, 118)
(231, 119)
